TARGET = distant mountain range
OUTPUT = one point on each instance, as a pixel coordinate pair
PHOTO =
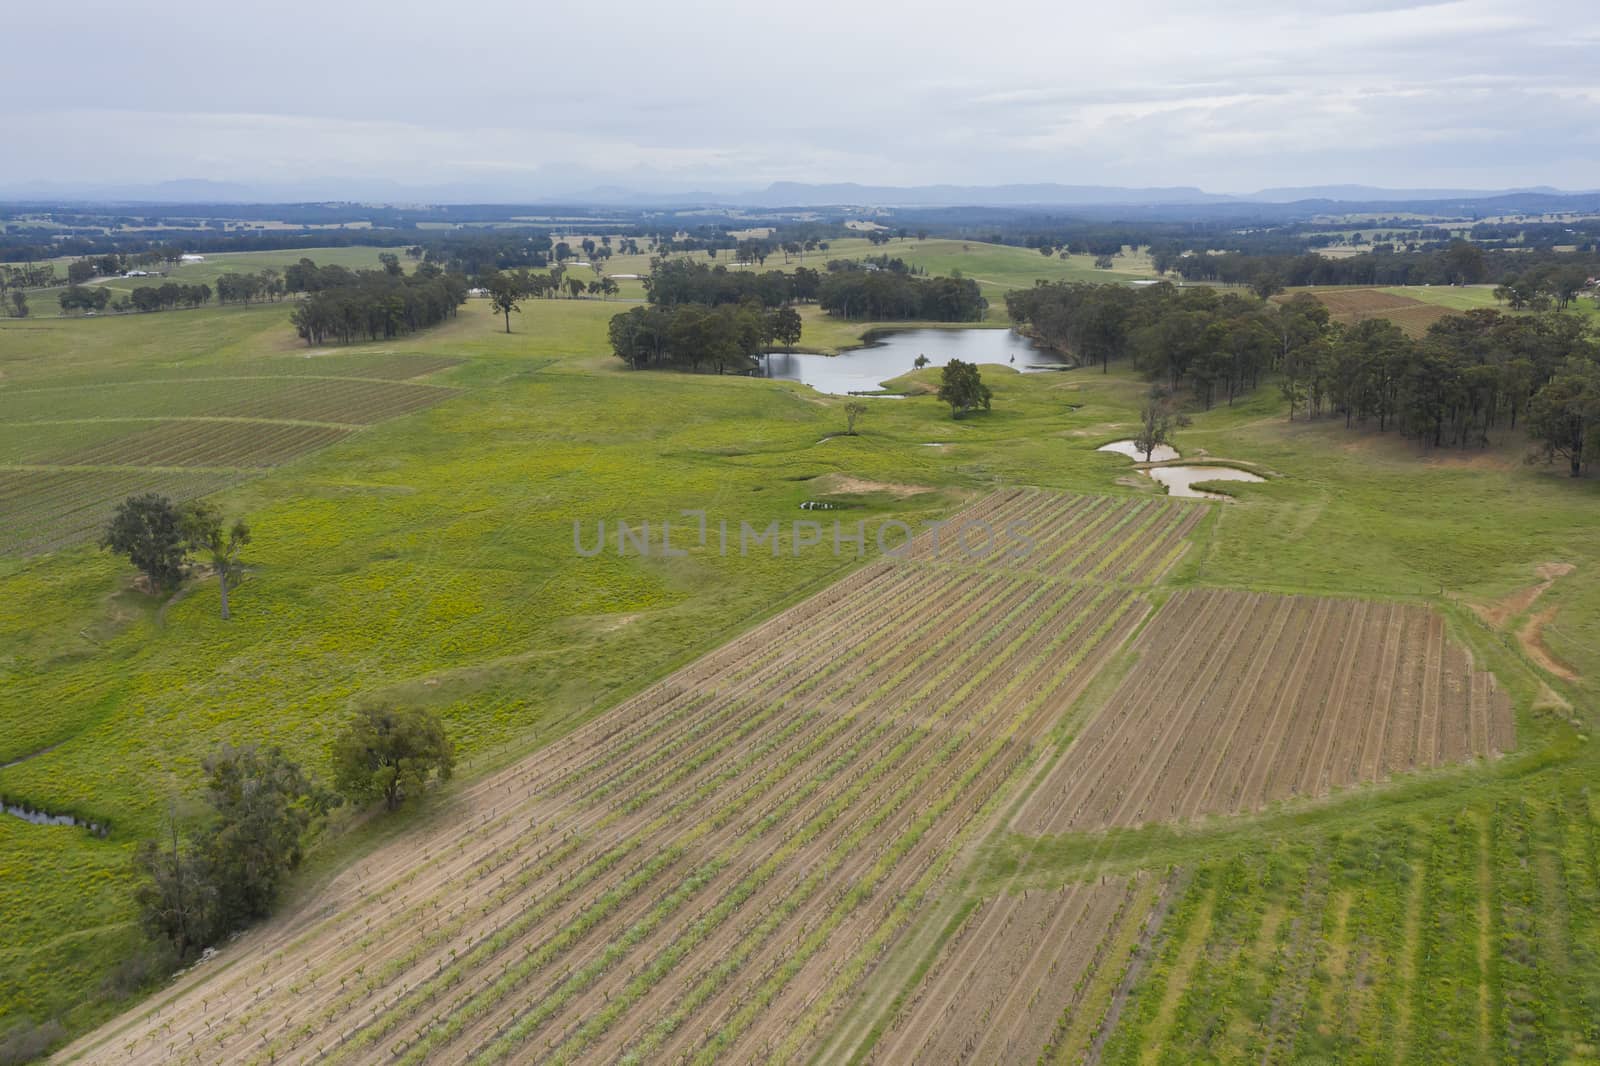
(777, 195)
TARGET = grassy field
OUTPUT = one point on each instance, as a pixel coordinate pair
(429, 558)
(43, 301)
(996, 268)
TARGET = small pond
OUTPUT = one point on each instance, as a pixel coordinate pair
(890, 354)
(1180, 480)
(1162, 452)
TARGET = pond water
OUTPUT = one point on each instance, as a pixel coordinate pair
(46, 818)
(1180, 480)
(890, 354)
(1160, 454)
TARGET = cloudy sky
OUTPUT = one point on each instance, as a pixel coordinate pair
(545, 97)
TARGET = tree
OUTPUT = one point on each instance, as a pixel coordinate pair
(232, 866)
(852, 411)
(19, 304)
(1157, 420)
(176, 895)
(80, 271)
(1266, 285)
(786, 327)
(505, 293)
(575, 286)
(390, 752)
(1564, 416)
(963, 389)
(262, 805)
(149, 531)
(203, 532)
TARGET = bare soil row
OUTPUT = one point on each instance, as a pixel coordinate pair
(1241, 699)
(701, 874)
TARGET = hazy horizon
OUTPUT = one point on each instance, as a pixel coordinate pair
(1475, 94)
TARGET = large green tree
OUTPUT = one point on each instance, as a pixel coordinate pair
(391, 752)
(963, 389)
(149, 530)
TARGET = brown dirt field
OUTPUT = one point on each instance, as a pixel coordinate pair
(1001, 986)
(1351, 305)
(704, 871)
(1242, 699)
(849, 485)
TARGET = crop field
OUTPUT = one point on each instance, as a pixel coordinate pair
(71, 451)
(702, 873)
(1086, 538)
(1243, 699)
(1471, 936)
(1026, 978)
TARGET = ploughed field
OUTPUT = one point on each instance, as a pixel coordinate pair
(1244, 698)
(70, 452)
(726, 866)
(1351, 305)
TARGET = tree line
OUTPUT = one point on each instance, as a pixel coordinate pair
(681, 281)
(729, 337)
(1456, 263)
(378, 304)
(1215, 343)
(882, 295)
(1469, 374)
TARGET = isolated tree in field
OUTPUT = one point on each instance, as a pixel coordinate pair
(920, 361)
(963, 389)
(1157, 420)
(391, 752)
(149, 530)
(204, 534)
(505, 293)
(786, 327)
(1564, 416)
(19, 304)
(852, 411)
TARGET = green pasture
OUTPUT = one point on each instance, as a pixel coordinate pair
(430, 559)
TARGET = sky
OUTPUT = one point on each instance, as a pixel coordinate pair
(528, 99)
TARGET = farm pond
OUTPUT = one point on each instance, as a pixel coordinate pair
(888, 354)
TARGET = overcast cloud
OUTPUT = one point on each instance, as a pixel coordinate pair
(542, 98)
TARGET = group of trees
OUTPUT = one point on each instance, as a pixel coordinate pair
(888, 296)
(378, 305)
(680, 281)
(200, 882)
(1213, 342)
(1456, 262)
(1543, 288)
(267, 284)
(1466, 376)
(507, 289)
(725, 336)
(159, 538)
